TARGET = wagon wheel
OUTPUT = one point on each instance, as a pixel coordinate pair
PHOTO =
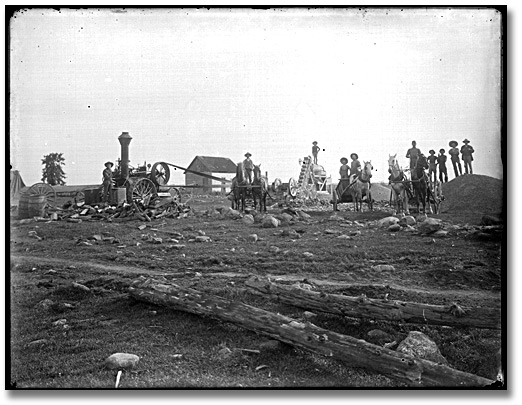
(175, 194)
(79, 197)
(43, 189)
(292, 187)
(160, 173)
(141, 193)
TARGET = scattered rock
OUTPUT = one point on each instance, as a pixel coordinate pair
(331, 231)
(421, 218)
(344, 237)
(308, 254)
(379, 335)
(142, 227)
(491, 220)
(429, 225)
(355, 233)
(383, 267)
(335, 217)
(252, 238)
(286, 217)
(201, 238)
(157, 241)
(45, 304)
(81, 287)
(248, 219)
(417, 344)
(386, 222)
(274, 249)
(407, 220)
(440, 234)
(303, 215)
(270, 222)
(290, 233)
(122, 361)
(394, 228)
(224, 352)
(38, 342)
(60, 322)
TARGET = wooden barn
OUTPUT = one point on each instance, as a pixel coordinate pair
(214, 166)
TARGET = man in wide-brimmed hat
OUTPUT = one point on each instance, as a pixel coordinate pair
(248, 165)
(107, 182)
(467, 155)
(413, 154)
(343, 171)
(315, 151)
(432, 166)
(443, 171)
(455, 160)
(355, 165)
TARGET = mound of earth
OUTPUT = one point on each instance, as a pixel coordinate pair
(473, 193)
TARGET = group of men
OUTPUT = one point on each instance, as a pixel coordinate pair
(440, 161)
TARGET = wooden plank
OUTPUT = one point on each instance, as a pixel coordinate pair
(354, 352)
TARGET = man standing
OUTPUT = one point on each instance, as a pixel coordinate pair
(315, 151)
(343, 171)
(413, 154)
(432, 160)
(443, 171)
(467, 157)
(249, 167)
(107, 182)
(455, 160)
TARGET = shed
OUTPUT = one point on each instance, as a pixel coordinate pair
(214, 166)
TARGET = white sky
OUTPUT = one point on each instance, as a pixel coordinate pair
(224, 82)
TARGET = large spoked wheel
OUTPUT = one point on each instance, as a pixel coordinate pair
(160, 173)
(292, 187)
(175, 194)
(141, 193)
(43, 189)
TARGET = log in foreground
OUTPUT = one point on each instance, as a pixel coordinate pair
(354, 352)
(388, 310)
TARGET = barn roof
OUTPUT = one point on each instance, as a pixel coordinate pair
(213, 164)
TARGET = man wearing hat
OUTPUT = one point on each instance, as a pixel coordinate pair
(443, 171)
(315, 151)
(248, 165)
(455, 160)
(355, 166)
(467, 157)
(107, 182)
(432, 166)
(413, 154)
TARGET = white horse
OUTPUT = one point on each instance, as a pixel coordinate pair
(399, 185)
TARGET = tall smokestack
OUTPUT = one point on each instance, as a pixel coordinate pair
(125, 140)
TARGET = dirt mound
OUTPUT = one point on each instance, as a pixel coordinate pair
(474, 193)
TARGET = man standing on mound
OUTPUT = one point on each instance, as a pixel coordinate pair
(467, 156)
(455, 160)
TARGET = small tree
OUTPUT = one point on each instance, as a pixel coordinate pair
(52, 172)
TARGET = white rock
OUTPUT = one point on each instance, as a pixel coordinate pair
(270, 222)
(386, 222)
(407, 220)
(429, 225)
(203, 239)
(417, 344)
(248, 219)
(122, 361)
(253, 237)
(394, 228)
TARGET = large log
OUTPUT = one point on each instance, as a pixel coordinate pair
(388, 310)
(355, 352)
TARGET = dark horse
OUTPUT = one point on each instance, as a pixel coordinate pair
(420, 183)
(260, 188)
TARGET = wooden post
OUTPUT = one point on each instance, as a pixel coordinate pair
(355, 352)
(388, 310)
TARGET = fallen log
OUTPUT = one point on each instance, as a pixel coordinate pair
(355, 352)
(388, 310)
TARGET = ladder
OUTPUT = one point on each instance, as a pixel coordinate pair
(304, 176)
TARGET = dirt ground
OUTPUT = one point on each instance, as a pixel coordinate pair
(465, 266)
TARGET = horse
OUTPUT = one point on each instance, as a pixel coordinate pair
(420, 183)
(360, 183)
(260, 188)
(240, 189)
(400, 185)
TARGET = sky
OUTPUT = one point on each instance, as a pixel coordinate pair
(223, 82)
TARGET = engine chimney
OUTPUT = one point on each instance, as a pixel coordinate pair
(125, 140)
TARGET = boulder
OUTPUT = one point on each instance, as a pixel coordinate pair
(491, 220)
(417, 344)
(386, 222)
(121, 361)
(270, 222)
(248, 219)
(303, 215)
(407, 220)
(440, 234)
(286, 217)
(429, 225)
(252, 238)
(394, 228)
